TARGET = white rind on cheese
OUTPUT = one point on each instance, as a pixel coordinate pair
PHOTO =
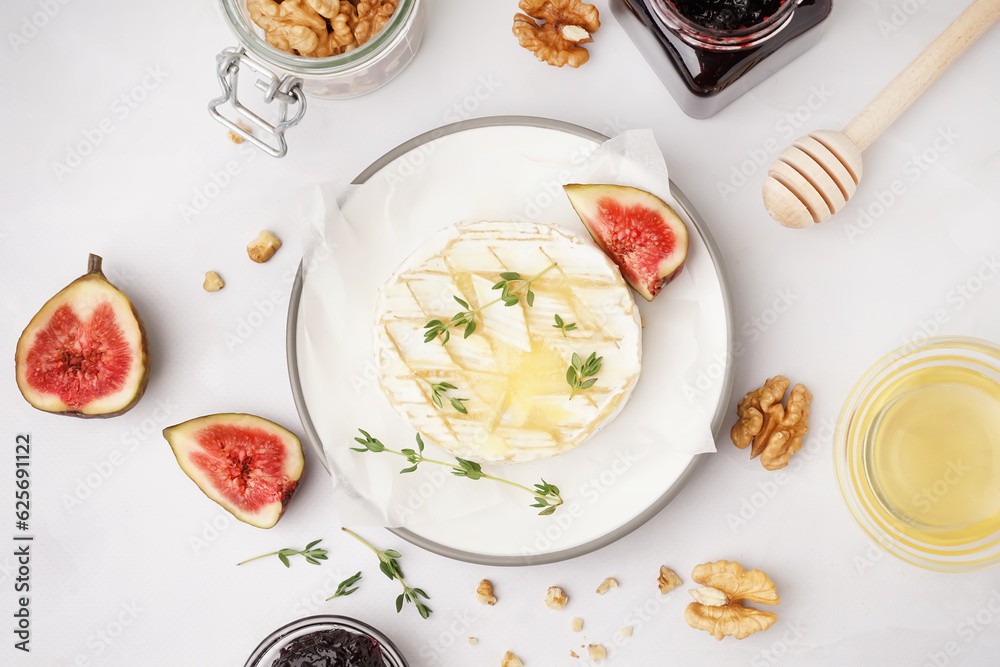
(513, 367)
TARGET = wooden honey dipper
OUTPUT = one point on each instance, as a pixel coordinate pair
(814, 177)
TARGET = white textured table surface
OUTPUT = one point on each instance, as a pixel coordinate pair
(131, 565)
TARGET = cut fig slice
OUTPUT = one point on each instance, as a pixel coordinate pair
(637, 230)
(84, 353)
(247, 464)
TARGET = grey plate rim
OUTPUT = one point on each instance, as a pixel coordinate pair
(655, 507)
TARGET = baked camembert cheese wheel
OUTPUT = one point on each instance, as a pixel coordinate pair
(510, 377)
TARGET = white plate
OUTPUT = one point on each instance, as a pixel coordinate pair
(600, 508)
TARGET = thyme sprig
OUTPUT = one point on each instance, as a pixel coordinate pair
(579, 370)
(546, 495)
(513, 287)
(564, 326)
(388, 563)
(438, 391)
(344, 587)
(311, 554)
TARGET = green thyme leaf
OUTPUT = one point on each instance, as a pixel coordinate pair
(344, 587)
(389, 565)
(546, 496)
(512, 287)
(438, 391)
(564, 326)
(310, 553)
(579, 370)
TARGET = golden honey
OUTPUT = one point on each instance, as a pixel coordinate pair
(932, 455)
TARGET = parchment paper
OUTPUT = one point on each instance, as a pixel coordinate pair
(359, 234)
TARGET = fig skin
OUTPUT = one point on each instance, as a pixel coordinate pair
(186, 447)
(94, 277)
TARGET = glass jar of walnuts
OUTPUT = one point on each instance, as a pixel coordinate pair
(331, 49)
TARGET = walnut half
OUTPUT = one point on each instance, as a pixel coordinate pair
(718, 607)
(775, 430)
(566, 25)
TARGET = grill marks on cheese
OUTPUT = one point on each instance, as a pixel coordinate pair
(513, 368)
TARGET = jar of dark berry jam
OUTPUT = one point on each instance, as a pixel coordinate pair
(326, 641)
(709, 52)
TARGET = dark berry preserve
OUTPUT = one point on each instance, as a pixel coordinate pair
(727, 14)
(707, 53)
(326, 641)
(331, 648)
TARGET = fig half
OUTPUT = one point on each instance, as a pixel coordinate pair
(636, 229)
(84, 353)
(247, 464)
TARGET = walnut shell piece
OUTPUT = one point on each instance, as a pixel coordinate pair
(565, 25)
(263, 247)
(774, 430)
(719, 608)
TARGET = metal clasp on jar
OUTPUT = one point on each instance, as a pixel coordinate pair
(286, 90)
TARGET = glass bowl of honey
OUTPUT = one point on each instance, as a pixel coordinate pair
(917, 453)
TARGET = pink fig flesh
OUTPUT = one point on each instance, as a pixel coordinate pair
(84, 353)
(641, 234)
(247, 464)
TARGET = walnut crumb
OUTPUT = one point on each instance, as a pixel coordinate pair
(573, 654)
(235, 138)
(668, 580)
(597, 651)
(263, 247)
(555, 598)
(511, 660)
(606, 586)
(473, 641)
(627, 631)
(484, 593)
(576, 624)
(213, 282)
